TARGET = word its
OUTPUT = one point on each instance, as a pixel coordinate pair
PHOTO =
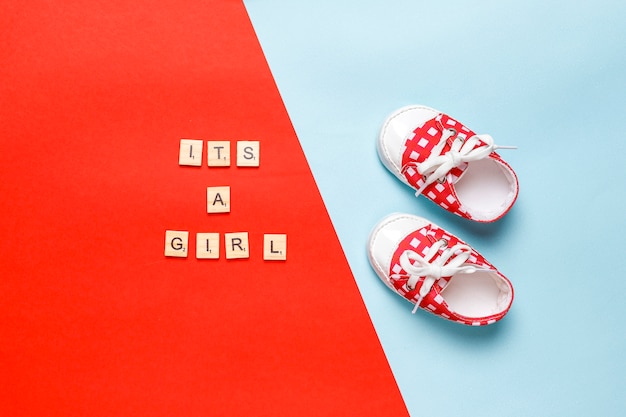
(218, 153)
(236, 245)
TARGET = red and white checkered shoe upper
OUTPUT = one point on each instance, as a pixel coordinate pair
(418, 144)
(388, 244)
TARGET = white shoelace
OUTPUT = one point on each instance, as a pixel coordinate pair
(437, 165)
(452, 261)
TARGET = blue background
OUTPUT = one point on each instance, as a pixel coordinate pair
(548, 77)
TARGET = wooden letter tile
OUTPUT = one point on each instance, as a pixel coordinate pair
(218, 153)
(190, 152)
(236, 245)
(274, 247)
(208, 245)
(248, 153)
(218, 199)
(176, 243)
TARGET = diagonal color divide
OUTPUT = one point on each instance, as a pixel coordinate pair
(95, 99)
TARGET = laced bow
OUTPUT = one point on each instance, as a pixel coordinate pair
(437, 165)
(451, 262)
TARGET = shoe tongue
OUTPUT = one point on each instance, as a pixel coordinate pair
(420, 143)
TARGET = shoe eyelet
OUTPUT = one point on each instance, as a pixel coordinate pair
(442, 180)
(444, 243)
(453, 131)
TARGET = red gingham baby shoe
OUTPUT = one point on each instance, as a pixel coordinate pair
(448, 163)
(437, 271)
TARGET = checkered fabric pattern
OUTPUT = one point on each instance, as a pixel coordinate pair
(419, 145)
(420, 241)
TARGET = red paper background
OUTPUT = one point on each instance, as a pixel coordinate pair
(94, 320)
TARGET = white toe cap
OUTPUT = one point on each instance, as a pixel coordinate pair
(395, 131)
(386, 237)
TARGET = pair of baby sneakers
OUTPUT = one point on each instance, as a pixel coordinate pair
(460, 171)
